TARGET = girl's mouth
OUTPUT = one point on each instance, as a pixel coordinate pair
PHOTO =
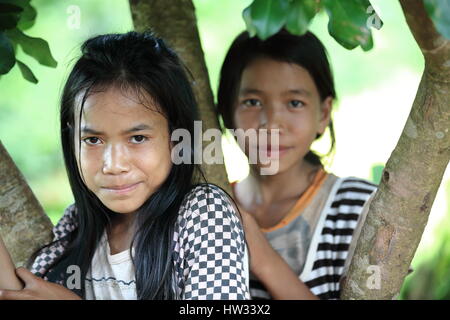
(273, 151)
(121, 189)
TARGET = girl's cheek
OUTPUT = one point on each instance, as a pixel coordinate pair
(245, 120)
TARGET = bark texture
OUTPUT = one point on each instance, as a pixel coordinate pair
(24, 226)
(176, 23)
(399, 211)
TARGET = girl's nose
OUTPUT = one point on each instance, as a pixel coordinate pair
(271, 118)
(115, 160)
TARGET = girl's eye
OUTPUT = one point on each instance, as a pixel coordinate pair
(296, 103)
(252, 103)
(138, 139)
(92, 141)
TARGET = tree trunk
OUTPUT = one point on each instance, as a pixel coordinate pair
(399, 211)
(24, 226)
(176, 23)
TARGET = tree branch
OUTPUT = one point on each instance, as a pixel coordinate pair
(399, 211)
(23, 224)
(434, 46)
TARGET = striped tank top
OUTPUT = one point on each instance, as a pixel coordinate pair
(314, 237)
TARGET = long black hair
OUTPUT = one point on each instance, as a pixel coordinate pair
(143, 63)
(307, 51)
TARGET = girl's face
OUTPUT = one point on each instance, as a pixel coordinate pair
(281, 95)
(125, 149)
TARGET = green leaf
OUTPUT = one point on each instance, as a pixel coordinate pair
(439, 12)
(301, 12)
(7, 57)
(367, 45)
(28, 14)
(268, 16)
(8, 20)
(36, 47)
(9, 15)
(9, 7)
(246, 15)
(348, 23)
(26, 72)
(28, 18)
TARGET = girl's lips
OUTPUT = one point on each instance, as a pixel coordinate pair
(121, 189)
(274, 150)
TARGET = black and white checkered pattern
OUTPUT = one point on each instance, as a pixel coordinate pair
(209, 247)
(46, 258)
(208, 242)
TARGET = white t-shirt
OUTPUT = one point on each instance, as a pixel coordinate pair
(111, 277)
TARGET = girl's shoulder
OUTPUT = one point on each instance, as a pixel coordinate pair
(350, 194)
(67, 223)
(206, 196)
(206, 201)
(352, 186)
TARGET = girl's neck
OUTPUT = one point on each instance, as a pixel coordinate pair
(272, 188)
(120, 232)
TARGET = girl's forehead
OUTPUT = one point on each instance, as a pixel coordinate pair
(103, 105)
(270, 74)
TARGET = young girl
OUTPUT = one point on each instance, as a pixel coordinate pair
(299, 221)
(139, 228)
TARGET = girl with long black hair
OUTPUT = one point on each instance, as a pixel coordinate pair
(141, 227)
(301, 222)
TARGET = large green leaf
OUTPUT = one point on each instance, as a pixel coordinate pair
(268, 16)
(35, 47)
(28, 14)
(7, 58)
(439, 12)
(301, 12)
(26, 72)
(9, 15)
(348, 23)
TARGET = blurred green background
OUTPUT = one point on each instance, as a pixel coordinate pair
(375, 92)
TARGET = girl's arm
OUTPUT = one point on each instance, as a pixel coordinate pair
(8, 278)
(37, 289)
(270, 268)
(210, 248)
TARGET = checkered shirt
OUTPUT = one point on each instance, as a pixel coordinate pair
(208, 247)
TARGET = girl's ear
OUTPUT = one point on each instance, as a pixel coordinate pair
(325, 114)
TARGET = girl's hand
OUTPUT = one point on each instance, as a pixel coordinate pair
(37, 289)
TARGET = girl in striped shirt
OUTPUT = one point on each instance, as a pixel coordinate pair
(301, 220)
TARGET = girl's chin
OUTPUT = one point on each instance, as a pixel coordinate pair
(273, 167)
(122, 208)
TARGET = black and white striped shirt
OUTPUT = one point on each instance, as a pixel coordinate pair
(319, 250)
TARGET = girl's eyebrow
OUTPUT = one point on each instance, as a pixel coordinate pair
(300, 91)
(139, 127)
(245, 91)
